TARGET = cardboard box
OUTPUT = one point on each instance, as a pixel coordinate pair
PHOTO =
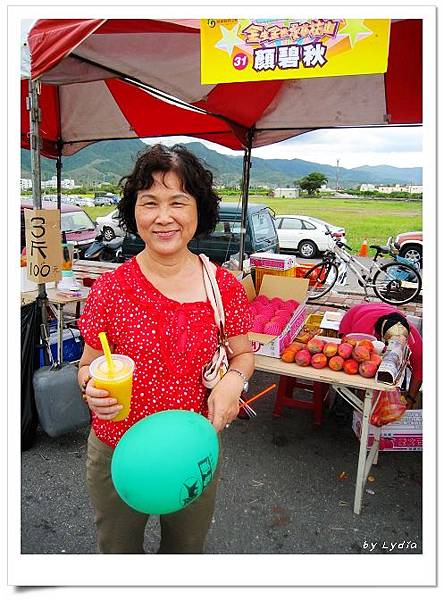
(268, 260)
(402, 435)
(287, 288)
(238, 274)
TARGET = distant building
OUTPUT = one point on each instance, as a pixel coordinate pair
(388, 189)
(414, 189)
(286, 192)
(67, 184)
(325, 188)
(25, 184)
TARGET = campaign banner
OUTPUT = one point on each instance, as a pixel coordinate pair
(236, 50)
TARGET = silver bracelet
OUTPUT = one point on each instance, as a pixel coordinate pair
(243, 377)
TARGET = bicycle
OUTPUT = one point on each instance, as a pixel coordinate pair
(397, 282)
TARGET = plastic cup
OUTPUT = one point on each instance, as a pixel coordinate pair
(118, 382)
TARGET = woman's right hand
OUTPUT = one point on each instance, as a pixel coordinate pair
(101, 403)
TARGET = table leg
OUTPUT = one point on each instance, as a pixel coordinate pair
(361, 474)
(377, 442)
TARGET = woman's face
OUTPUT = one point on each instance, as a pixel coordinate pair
(166, 216)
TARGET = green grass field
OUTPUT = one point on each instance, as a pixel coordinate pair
(372, 219)
(98, 211)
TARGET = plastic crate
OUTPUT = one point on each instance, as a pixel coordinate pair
(72, 346)
(259, 273)
(302, 270)
(313, 321)
(331, 333)
(312, 324)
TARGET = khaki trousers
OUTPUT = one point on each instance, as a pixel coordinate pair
(120, 529)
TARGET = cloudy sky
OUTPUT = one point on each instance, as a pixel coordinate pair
(395, 146)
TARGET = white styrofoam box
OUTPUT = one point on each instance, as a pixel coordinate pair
(402, 435)
(27, 285)
(331, 320)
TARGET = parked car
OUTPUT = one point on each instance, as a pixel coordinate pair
(306, 235)
(109, 225)
(260, 236)
(75, 222)
(410, 244)
(105, 199)
(84, 201)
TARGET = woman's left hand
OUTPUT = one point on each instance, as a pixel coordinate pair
(223, 402)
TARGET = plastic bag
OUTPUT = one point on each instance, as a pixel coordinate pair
(30, 325)
(389, 407)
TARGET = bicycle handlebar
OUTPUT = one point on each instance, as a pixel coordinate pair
(342, 245)
(392, 247)
(337, 242)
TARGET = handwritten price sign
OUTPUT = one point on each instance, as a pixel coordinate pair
(43, 245)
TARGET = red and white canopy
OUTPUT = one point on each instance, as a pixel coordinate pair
(122, 78)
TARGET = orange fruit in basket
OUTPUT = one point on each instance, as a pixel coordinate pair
(296, 346)
(349, 340)
(366, 344)
(288, 356)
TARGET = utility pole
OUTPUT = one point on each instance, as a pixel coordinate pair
(337, 174)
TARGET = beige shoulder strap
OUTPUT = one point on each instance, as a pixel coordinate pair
(212, 290)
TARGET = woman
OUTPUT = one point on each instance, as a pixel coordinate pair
(154, 309)
(379, 319)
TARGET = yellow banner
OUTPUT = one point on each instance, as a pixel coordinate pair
(264, 49)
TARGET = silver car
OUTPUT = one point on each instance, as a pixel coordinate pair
(109, 225)
(306, 235)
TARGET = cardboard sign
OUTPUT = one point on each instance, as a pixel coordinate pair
(236, 50)
(43, 245)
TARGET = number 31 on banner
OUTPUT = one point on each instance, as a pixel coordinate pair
(240, 61)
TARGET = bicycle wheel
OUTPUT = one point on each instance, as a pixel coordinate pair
(397, 284)
(322, 278)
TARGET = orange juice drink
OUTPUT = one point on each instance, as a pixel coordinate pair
(117, 382)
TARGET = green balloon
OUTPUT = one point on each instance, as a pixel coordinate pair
(165, 461)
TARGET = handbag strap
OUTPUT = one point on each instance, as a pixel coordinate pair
(212, 289)
(214, 296)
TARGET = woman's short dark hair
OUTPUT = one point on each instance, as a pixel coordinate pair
(384, 323)
(196, 180)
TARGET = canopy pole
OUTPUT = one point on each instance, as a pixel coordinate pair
(35, 143)
(59, 177)
(245, 189)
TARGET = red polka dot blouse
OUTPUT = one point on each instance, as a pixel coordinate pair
(168, 341)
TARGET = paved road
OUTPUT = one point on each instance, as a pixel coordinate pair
(280, 491)
(352, 284)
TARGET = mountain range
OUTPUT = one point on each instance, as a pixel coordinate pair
(110, 160)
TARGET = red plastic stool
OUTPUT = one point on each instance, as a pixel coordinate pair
(284, 396)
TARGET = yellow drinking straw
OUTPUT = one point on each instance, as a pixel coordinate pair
(107, 351)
